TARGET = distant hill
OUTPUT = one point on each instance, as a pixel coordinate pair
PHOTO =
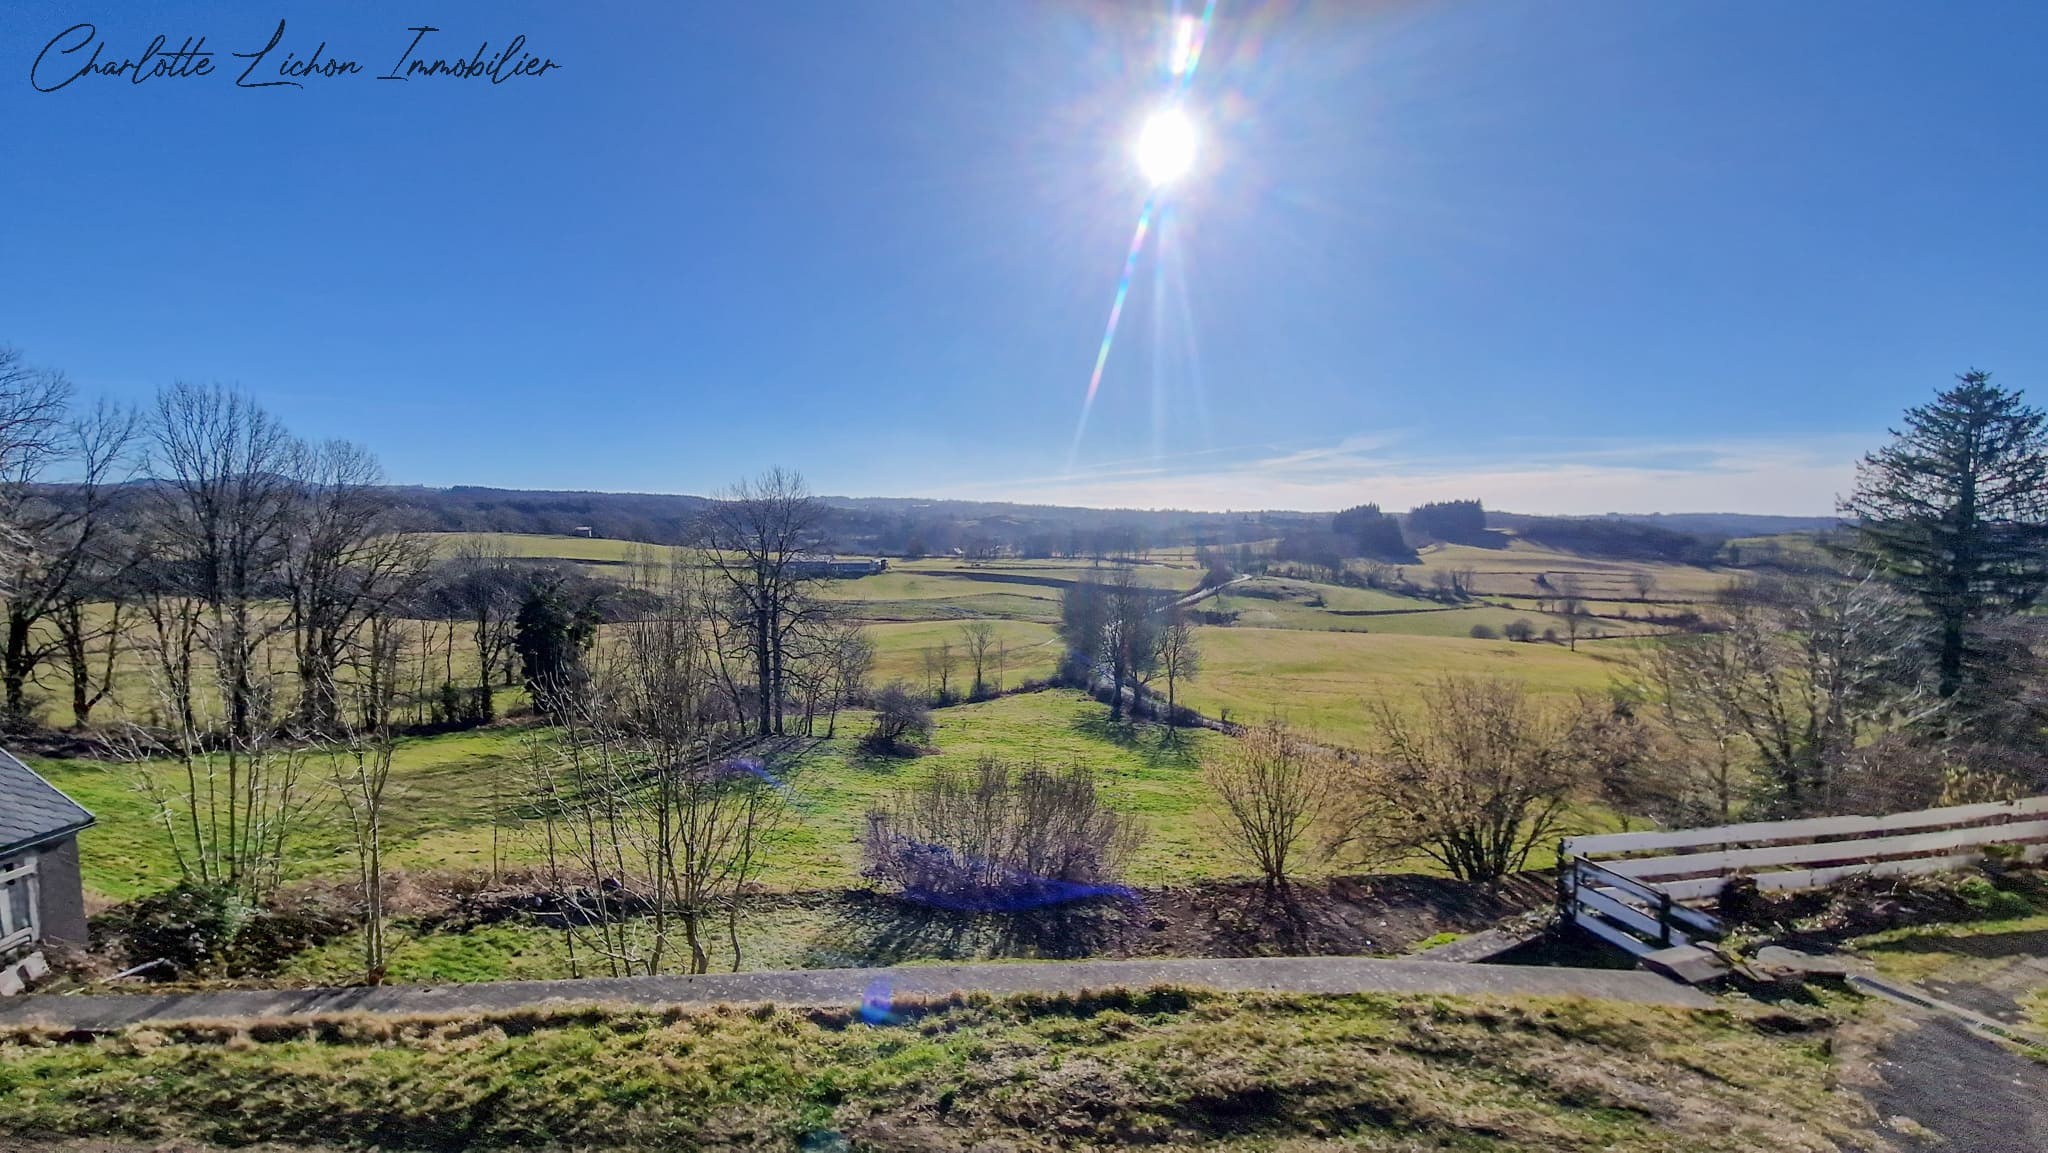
(1726, 524)
(658, 518)
(897, 526)
(885, 525)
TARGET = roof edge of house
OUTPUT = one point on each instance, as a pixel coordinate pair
(69, 830)
(38, 842)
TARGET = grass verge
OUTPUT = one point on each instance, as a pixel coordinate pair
(1163, 1067)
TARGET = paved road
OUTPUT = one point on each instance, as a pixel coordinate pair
(1964, 1092)
(851, 987)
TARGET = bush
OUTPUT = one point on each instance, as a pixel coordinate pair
(1550, 636)
(1272, 790)
(902, 719)
(1484, 633)
(1520, 629)
(1476, 780)
(1000, 837)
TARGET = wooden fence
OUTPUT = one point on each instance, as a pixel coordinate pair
(1632, 895)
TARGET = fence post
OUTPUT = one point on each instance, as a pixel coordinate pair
(1567, 885)
(1664, 917)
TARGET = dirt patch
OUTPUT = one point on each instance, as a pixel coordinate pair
(1384, 915)
(1826, 918)
(1377, 915)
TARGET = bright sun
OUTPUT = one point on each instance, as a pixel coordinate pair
(1166, 146)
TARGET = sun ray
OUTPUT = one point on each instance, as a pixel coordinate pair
(1116, 312)
(1189, 37)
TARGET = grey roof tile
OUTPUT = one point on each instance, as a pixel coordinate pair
(31, 808)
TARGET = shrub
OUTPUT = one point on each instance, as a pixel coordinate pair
(1484, 633)
(902, 719)
(1000, 837)
(1272, 789)
(1550, 636)
(1476, 780)
(1519, 629)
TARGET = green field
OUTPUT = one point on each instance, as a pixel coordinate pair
(450, 792)
(536, 546)
(443, 795)
(1030, 652)
(1321, 656)
(1329, 682)
(1513, 571)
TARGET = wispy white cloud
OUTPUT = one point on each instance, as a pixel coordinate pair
(1801, 478)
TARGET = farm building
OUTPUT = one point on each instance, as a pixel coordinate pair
(837, 568)
(41, 897)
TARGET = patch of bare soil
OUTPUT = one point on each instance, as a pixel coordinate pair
(1385, 915)
(1824, 918)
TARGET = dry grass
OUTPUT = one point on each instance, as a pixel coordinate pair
(1164, 1067)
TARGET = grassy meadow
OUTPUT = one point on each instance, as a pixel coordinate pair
(1330, 682)
(452, 793)
(1321, 657)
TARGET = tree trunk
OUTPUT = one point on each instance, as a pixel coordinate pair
(18, 665)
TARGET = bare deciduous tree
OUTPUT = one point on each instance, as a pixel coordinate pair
(1275, 789)
(756, 531)
(359, 768)
(345, 562)
(224, 519)
(939, 662)
(1571, 605)
(1644, 582)
(1475, 779)
(481, 584)
(32, 406)
(651, 831)
(1180, 658)
(1803, 672)
(853, 658)
(980, 639)
(1573, 610)
(61, 555)
(1112, 632)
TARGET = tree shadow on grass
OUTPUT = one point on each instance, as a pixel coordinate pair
(868, 760)
(870, 929)
(1984, 946)
(1159, 745)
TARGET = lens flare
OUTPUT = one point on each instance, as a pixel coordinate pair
(1166, 146)
(1185, 46)
(1116, 312)
(877, 1006)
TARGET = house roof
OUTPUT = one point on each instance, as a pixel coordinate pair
(31, 808)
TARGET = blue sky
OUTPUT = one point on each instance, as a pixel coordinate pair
(1572, 257)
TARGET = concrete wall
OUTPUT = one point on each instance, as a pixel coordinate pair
(60, 893)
